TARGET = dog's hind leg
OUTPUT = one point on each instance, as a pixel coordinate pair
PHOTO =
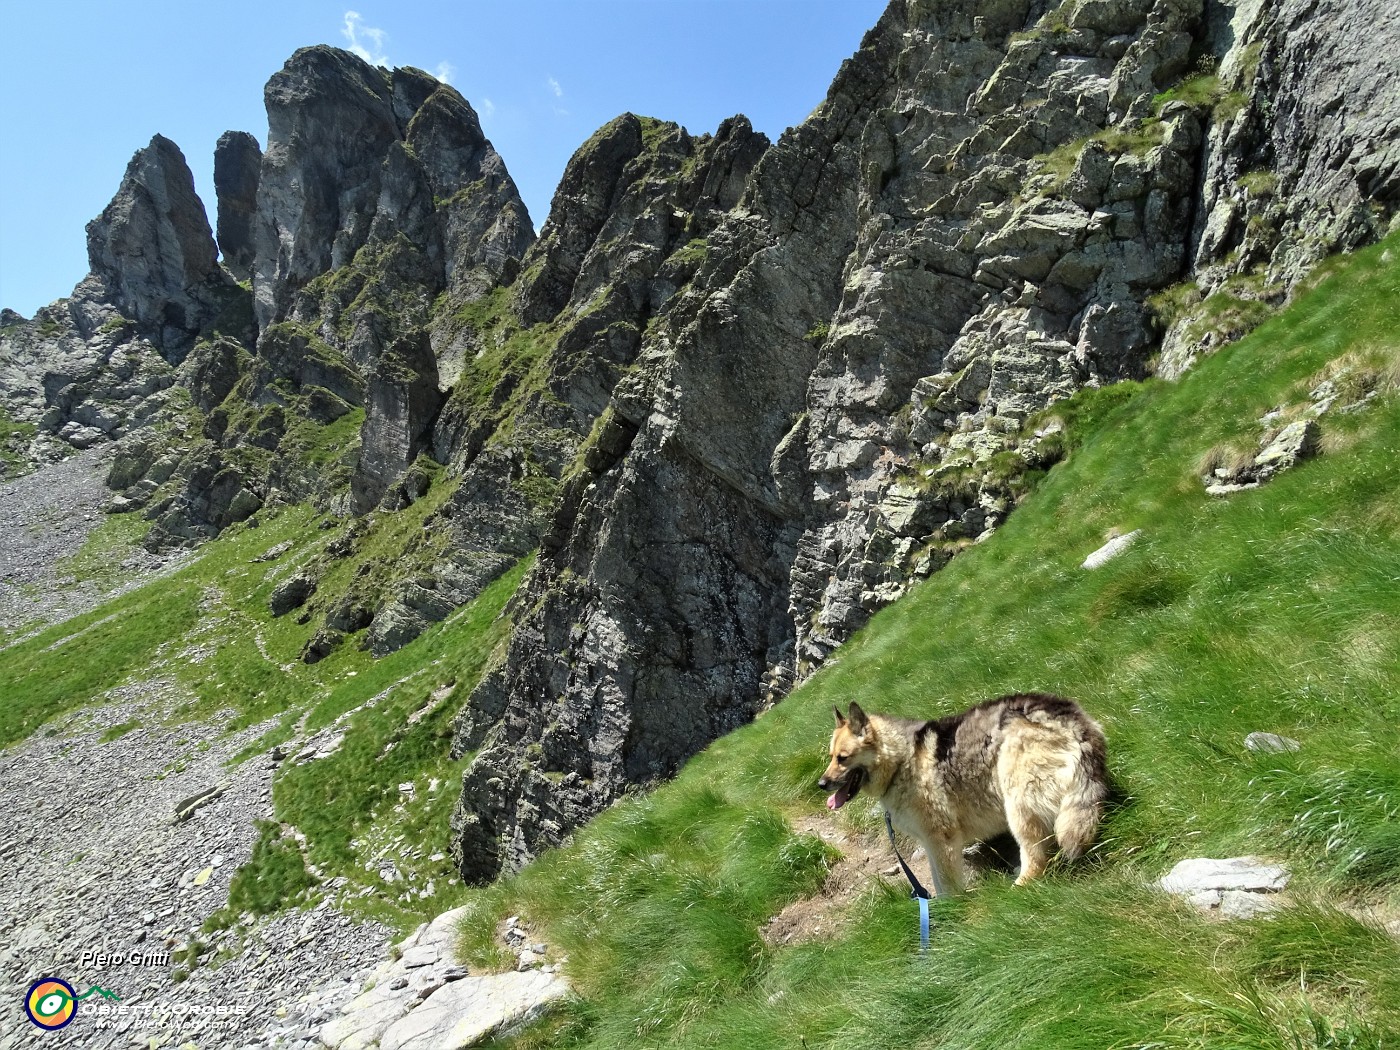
(1033, 834)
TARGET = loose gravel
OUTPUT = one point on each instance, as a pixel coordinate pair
(92, 862)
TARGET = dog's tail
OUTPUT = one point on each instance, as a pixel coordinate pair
(1081, 807)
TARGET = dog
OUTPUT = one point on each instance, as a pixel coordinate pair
(1030, 763)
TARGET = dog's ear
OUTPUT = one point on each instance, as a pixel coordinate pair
(858, 719)
(840, 718)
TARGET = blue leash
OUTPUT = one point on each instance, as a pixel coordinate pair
(917, 890)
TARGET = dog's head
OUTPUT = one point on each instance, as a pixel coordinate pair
(852, 755)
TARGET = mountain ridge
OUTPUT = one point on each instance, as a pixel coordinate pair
(739, 393)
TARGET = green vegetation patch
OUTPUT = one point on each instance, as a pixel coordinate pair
(398, 730)
(116, 732)
(274, 878)
(510, 362)
(15, 437)
(1231, 312)
(99, 560)
(1137, 138)
(75, 662)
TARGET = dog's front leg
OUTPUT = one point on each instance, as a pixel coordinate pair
(945, 866)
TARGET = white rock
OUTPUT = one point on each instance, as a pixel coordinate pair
(1239, 904)
(362, 1028)
(463, 1012)
(1204, 874)
(1110, 550)
(1270, 742)
(420, 955)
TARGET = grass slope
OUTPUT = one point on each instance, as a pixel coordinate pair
(207, 629)
(1275, 609)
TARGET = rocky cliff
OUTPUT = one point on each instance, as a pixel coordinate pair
(998, 203)
(738, 394)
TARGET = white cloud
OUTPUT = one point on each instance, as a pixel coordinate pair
(365, 41)
(486, 109)
(554, 86)
(445, 72)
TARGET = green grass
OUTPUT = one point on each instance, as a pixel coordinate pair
(339, 801)
(99, 559)
(14, 440)
(274, 878)
(1277, 609)
(510, 364)
(69, 665)
(389, 547)
(1137, 138)
(119, 730)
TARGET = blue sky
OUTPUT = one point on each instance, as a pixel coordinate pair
(85, 83)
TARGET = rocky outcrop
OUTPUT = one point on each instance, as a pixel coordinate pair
(377, 200)
(422, 999)
(152, 254)
(391, 163)
(1301, 160)
(660, 597)
(977, 222)
(94, 367)
(531, 371)
(101, 364)
(237, 163)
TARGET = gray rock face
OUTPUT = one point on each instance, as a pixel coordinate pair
(377, 193)
(357, 157)
(402, 403)
(79, 391)
(981, 289)
(967, 230)
(291, 593)
(377, 200)
(96, 366)
(626, 232)
(237, 161)
(649, 182)
(662, 577)
(152, 253)
(1305, 159)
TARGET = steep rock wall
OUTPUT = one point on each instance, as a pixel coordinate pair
(980, 219)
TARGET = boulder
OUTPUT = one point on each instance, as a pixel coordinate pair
(1235, 887)
(291, 593)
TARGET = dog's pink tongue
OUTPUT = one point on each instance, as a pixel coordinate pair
(837, 799)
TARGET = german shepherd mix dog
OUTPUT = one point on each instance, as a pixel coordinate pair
(1032, 764)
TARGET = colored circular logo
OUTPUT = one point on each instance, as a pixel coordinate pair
(51, 1003)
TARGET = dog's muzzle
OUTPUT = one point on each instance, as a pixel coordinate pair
(846, 788)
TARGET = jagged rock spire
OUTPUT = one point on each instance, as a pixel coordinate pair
(237, 159)
(152, 250)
